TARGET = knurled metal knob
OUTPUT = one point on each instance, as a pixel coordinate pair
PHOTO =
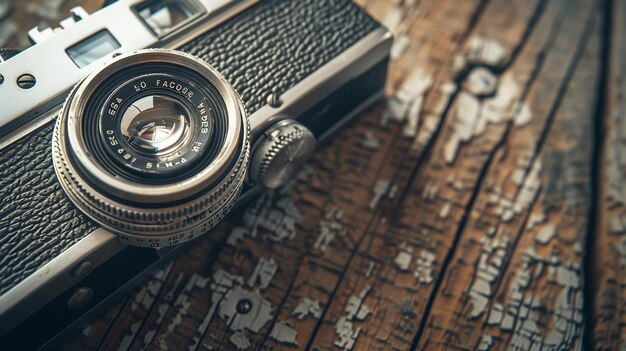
(280, 153)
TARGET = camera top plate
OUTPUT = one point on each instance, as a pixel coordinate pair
(128, 31)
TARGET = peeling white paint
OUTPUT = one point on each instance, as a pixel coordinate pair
(485, 51)
(424, 269)
(284, 333)
(480, 82)
(403, 259)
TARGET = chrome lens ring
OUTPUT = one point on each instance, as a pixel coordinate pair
(144, 213)
(122, 188)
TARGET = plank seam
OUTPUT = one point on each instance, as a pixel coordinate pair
(599, 127)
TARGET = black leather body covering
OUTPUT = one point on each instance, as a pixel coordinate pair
(266, 49)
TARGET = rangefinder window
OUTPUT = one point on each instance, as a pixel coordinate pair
(93, 48)
(164, 16)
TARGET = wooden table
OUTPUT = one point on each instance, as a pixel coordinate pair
(481, 207)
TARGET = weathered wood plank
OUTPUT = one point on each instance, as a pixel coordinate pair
(516, 278)
(413, 249)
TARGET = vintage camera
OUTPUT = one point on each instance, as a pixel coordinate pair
(129, 131)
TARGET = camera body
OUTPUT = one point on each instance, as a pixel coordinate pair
(289, 74)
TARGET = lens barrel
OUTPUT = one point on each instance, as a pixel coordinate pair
(153, 146)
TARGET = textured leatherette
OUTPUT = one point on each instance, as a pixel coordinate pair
(265, 50)
(276, 44)
(37, 221)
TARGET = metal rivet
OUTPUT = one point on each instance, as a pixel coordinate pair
(83, 269)
(26, 81)
(244, 306)
(1, 78)
(80, 298)
(274, 100)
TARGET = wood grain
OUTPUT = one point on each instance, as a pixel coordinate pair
(475, 209)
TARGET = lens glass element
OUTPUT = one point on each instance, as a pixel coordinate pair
(155, 125)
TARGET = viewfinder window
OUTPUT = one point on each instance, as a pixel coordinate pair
(164, 16)
(93, 48)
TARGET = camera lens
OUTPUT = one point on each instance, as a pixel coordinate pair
(155, 125)
(154, 146)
